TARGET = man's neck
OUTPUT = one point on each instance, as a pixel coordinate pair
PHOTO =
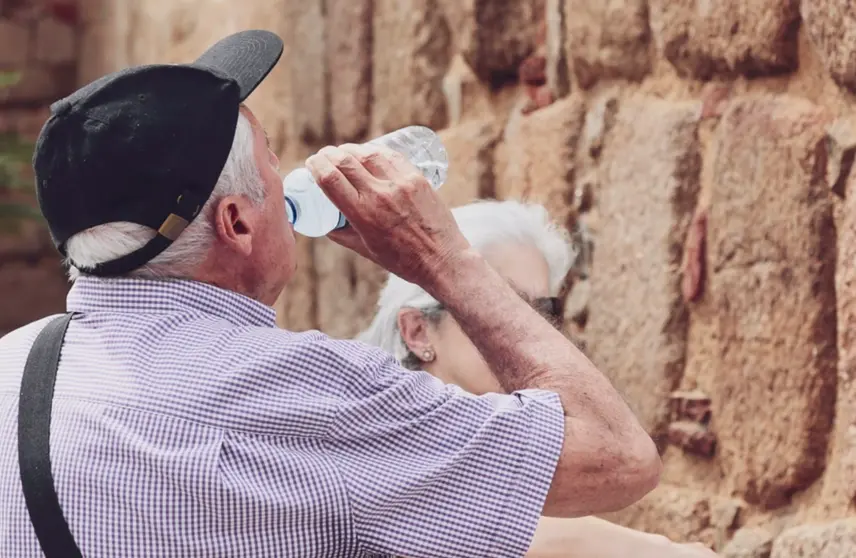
(241, 283)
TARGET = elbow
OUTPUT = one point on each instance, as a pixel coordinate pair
(608, 475)
(639, 470)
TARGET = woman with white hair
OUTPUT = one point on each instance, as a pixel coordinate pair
(520, 242)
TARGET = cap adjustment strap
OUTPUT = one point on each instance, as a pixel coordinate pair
(187, 207)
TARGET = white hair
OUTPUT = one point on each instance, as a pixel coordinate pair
(103, 243)
(484, 224)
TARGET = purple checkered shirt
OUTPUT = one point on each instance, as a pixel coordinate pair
(186, 423)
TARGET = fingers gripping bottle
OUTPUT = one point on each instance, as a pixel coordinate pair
(314, 215)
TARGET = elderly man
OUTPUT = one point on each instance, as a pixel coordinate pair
(166, 415)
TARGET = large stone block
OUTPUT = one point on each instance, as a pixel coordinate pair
(727, 37)
(306, 32)
(470, 147)
(104, 36)
(682, 515)
(750, 542)
(465, 95)
(637, 325)
(347, 289)
(536, 159)
(607, 40)
(494, 36)
(831, 27)
(831, 540)
(349, 60)
(411, 50)
(468, 98)
(762, 341)
(839, 482)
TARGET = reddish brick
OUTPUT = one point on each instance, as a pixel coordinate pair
(692, 437)
(56, 42)
(14, 45)
(694, 258)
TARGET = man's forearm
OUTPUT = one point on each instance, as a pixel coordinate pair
(608, 460)
(521, 347)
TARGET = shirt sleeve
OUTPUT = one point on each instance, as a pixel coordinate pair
(434, 471)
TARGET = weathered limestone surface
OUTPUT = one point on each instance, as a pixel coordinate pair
(682, 515)
(607, 40)
(767, 326)
(831, 540)
(706, 39)
(646, 196)
(536, 157)
(831, 27)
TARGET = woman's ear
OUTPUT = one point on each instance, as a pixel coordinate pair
(414, 329)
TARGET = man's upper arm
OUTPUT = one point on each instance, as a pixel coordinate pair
(434, 471)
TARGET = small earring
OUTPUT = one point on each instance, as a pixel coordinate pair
(427, 355)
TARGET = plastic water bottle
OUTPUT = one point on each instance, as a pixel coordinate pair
(313, 214)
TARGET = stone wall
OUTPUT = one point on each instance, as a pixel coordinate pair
(38, 45)
(706, 147)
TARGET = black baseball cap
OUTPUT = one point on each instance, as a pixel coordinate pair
(146, 144)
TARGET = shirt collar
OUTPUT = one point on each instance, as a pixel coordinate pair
(166, 296)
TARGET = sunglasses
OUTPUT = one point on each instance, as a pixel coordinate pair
(549, 307)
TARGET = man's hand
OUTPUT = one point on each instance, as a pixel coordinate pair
(395, 217)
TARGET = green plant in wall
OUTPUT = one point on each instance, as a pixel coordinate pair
(15, 156)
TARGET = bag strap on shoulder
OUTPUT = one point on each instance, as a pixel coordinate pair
(34, 432)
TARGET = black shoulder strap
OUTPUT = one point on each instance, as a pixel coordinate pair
(34, 438)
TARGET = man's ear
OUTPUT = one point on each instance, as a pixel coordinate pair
(235, 223)
(414, 329)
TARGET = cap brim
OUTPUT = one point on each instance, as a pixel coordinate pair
(246, 57)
